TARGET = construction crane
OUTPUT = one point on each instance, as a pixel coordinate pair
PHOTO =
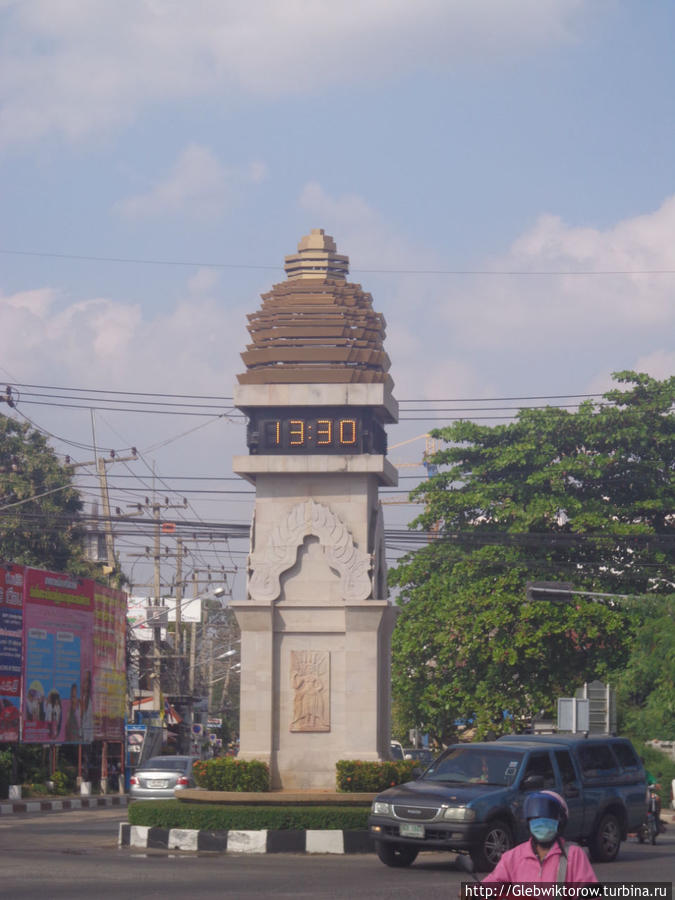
(431, 447)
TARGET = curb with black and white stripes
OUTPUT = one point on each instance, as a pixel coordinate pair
(263, 841)
(24, 806)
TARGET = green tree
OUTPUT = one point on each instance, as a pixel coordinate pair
(39, 506)
(584, 497)
(646, 684)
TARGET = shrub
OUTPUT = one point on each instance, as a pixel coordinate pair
(356, 776)
(225, 817)
(62, 782)
(34, 789)
(5, 771)
(225, 773)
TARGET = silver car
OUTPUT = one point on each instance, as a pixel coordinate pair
(160, 776)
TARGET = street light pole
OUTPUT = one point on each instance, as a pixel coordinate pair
(561, 592)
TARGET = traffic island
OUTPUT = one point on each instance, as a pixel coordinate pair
(337, 841)
(252, 822)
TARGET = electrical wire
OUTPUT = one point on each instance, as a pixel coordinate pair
(80, 257)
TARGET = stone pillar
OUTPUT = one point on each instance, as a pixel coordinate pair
(316, 623)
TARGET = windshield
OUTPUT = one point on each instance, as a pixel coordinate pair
(474, 765)
(172, 764)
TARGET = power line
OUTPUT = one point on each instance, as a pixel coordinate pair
(51, 387)
(499, 273)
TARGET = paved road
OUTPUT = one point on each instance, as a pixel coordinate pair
(74, 856)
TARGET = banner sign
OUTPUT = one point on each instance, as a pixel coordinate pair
(110, 688)
(58, 641)
(11, 650)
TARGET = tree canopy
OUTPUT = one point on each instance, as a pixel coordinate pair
(39, 506)
(584, 497)
(646, 684)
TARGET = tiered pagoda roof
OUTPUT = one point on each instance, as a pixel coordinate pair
(316, 328)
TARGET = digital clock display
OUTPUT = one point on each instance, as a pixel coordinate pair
(326, 430)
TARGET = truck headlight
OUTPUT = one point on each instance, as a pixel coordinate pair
(381, 809)
(459, 814)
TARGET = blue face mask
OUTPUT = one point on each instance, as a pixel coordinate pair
(542, 829)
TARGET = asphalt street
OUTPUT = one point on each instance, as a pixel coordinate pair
(74, 855)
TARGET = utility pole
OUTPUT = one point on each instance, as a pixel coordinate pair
(105, 499)
(179, 601)
(170, 527)
(193, 635)
(101, 462)
(210, 671)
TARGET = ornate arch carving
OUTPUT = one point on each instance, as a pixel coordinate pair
(281, 552)
(379, 559)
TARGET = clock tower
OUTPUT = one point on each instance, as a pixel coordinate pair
(316, 622)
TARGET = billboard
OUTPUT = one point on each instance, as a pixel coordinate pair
(11, 650)
(58, 658)
(190, 609)
(62, 658)
(143, 616)
(109, 685)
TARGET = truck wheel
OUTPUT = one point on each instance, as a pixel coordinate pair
(398, 857)
(605, 843)
(498, 838)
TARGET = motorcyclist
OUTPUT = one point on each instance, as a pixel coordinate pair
(653, 787)
(545, 856)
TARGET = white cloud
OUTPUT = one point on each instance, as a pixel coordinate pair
(362, 232)
(35, 302)
(203, 281)
(577, 307)
(198, 186)
(101, 342)
(659, 364)
(78, 69)
(450, 336)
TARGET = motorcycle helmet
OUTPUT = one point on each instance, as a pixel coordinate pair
(547, 805)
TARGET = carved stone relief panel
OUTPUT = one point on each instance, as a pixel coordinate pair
(267, 564)
(310, 687)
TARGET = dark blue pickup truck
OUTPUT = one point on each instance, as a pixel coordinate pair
(471, 797)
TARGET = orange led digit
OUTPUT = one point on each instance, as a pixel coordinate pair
(296, 433)
(277, 439)
(324, 431)
(347, 431)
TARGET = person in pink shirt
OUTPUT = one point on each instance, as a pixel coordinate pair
(546, 856)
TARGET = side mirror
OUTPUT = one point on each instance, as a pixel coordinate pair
(417, 771)
(532, 783)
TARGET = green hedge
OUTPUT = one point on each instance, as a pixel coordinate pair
(355, 776)
(225, 773)
(214, 817)
(660, 766)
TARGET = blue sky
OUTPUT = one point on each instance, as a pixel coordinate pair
(441, 136)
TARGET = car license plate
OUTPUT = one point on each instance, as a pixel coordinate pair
(413, 831)
(157, 783)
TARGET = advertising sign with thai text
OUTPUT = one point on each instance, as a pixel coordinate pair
(110, 611)
(11, 650)
(58, 641)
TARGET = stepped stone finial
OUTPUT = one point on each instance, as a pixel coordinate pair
(316, 327)
(317, 258)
